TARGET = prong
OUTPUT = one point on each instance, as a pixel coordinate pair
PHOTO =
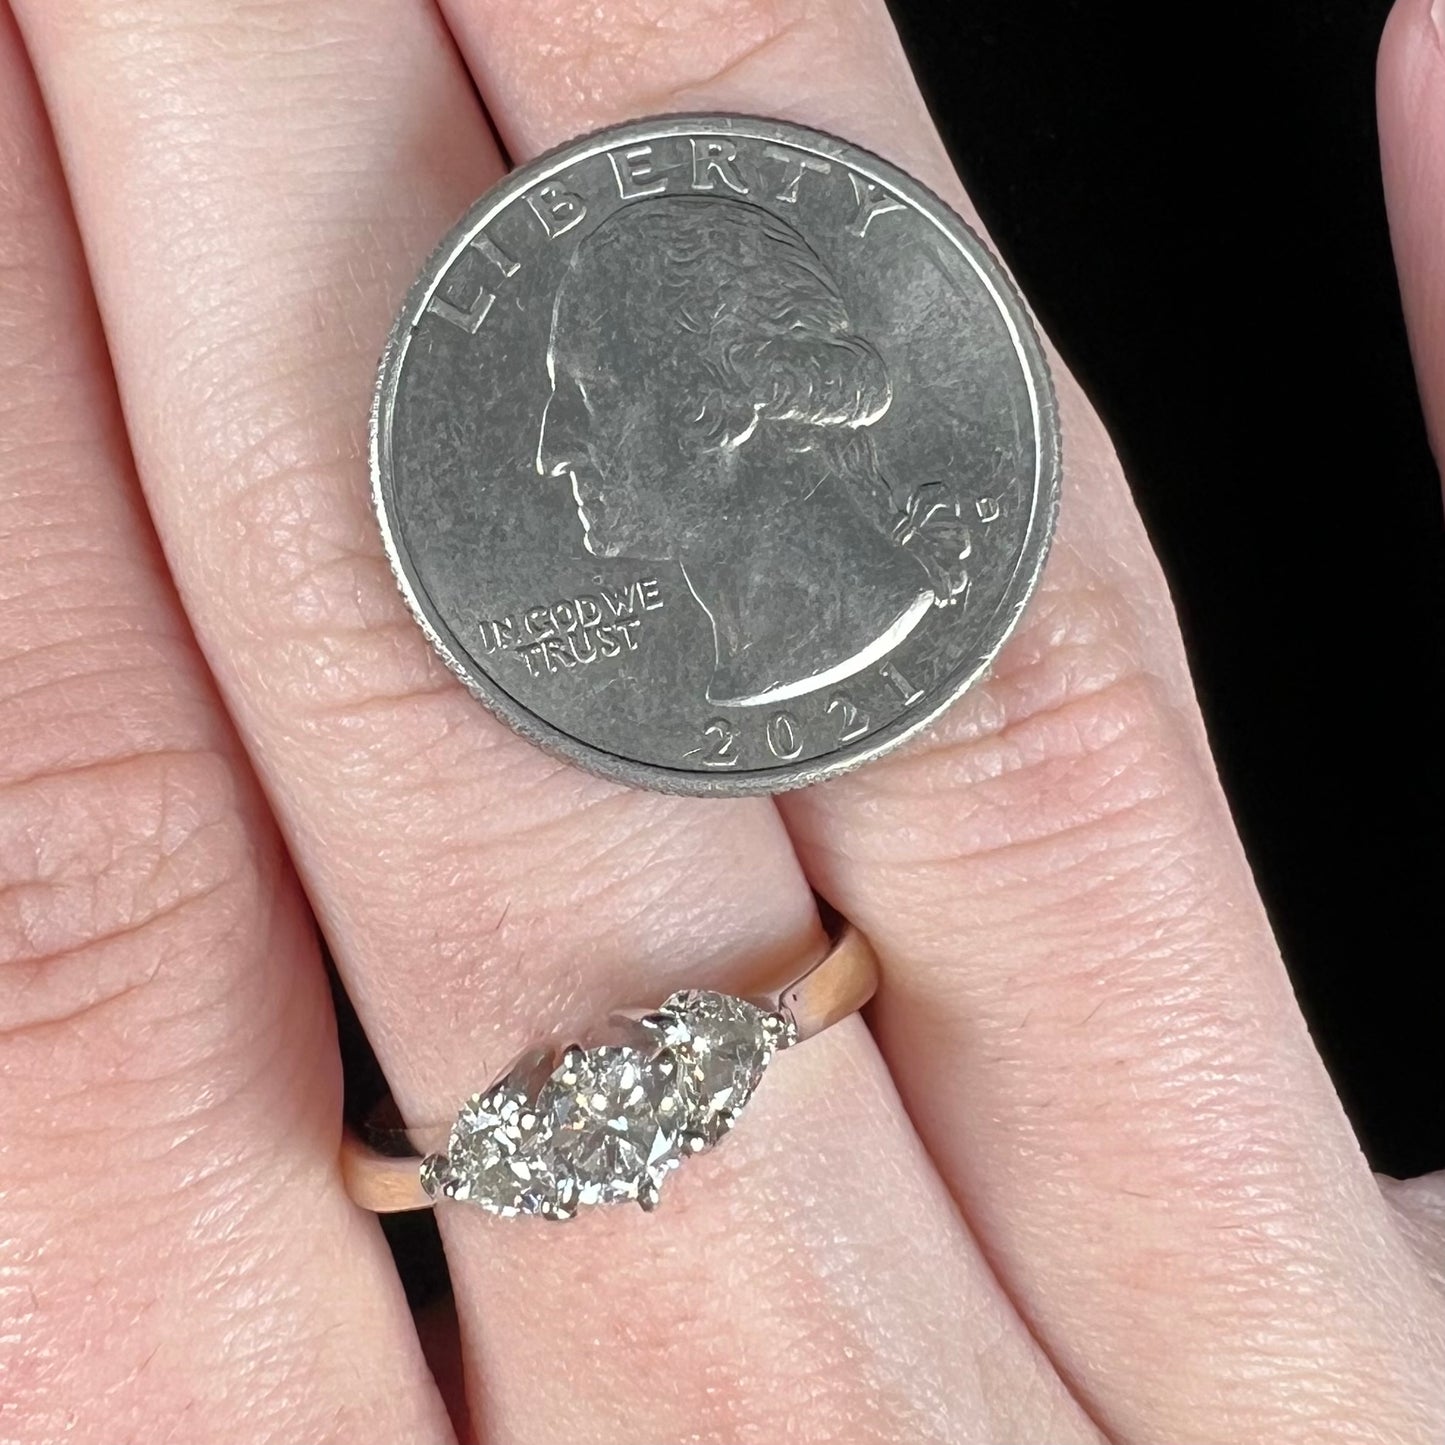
(527, 1072)
(668, 1026)
(628, 1024)
(782, 1032)
(574, 1060)
(726, 1120)
(646, 1030)
(649, 1195)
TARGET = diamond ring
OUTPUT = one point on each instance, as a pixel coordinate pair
(564, 1130)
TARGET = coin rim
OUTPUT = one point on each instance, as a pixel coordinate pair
(787, 775)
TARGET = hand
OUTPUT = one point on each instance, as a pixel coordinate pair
(1083, 1175)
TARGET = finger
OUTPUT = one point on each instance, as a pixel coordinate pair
(1411, 92)
(1420, 1204)
(1082, 1003)
(179, 1261)
(476, 893)
(1412, 149)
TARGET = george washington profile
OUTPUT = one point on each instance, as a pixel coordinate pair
(711, 404)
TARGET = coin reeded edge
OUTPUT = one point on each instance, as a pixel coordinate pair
(1022, 331)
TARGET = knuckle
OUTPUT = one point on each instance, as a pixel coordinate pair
(1066, 801)
(325, 656)
(325, 637)
(119, 880)
(86, 675)
(1071, 740)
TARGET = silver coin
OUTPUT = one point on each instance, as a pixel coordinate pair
(715, 454)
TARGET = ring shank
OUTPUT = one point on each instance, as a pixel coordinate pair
(837, 985)
(834, 986)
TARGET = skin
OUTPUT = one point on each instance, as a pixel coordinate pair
(1081, 1176)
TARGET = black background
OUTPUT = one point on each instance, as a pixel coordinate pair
(1195, 211)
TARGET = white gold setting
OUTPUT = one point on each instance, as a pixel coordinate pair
(607, 1125)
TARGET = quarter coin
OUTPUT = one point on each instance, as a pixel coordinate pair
(715, 454)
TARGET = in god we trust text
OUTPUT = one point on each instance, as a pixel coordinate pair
(574, 631)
